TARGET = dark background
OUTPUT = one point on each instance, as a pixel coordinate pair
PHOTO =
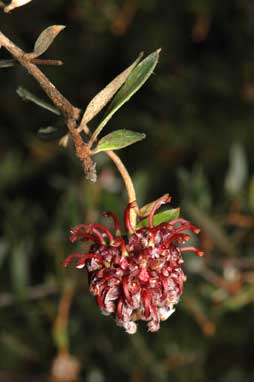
(197, 112)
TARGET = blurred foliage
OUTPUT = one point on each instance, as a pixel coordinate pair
(197, 112)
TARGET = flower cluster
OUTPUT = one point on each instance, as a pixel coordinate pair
(138, 277)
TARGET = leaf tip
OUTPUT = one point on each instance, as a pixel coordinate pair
(140, 55)
(60, 27)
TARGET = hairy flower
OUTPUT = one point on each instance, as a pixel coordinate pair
(138, 277)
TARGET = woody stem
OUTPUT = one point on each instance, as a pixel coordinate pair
(71, 113)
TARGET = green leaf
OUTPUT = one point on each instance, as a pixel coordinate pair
(161, 217)
(46, 38)
(106, 94)
(26, 95)
(51, 133)
(135, 80)
(117, 140)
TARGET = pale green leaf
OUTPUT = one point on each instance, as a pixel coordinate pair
(117, 140)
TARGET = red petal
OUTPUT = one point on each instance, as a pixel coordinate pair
(119, 309)
(147, 302)
(126, 290)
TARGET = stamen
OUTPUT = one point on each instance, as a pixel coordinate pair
(119, 241)
(82, 258)
(99, 235)
(164, 199)
(108, 214)
(193, 228)
(180, 238)
(193, 249)
(105, 230)
(180, 229)
(82, 261)
(77, 228)
(178, 220)
(84, 236)
(127, 219)
(77, 231)
(69, 258)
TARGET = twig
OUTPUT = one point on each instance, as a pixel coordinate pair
(39, 61)
(36, 61)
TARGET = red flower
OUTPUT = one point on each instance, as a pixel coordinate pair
(139, 277)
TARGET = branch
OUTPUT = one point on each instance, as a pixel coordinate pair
(71, 113)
